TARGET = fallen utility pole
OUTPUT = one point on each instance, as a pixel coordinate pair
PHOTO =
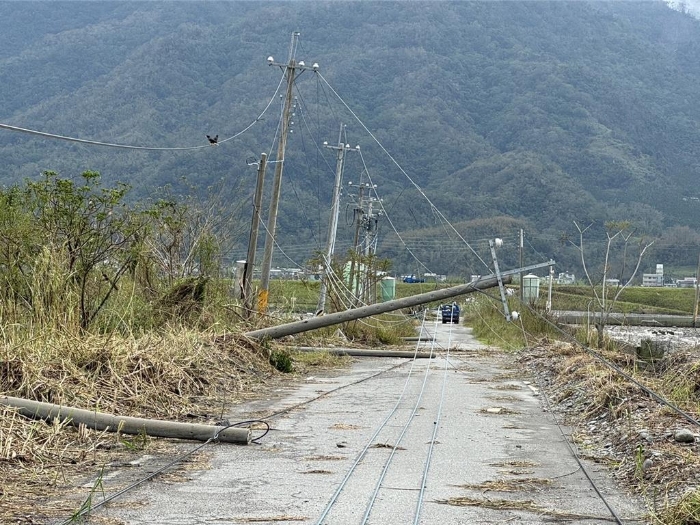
(127, 425)
(359, 352)
(314, 323)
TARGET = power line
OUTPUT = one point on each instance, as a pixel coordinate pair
(143, 148)
(381, 204)
(433, 207)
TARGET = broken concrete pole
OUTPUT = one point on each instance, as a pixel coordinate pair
(126, 425)
(275, 332)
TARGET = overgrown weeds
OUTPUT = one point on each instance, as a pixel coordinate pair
(685, 511)
(485, 316)
(171, 375)
(617, 423)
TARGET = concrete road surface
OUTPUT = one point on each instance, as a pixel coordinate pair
(496, 456)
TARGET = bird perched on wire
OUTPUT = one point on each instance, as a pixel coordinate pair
(213, 140)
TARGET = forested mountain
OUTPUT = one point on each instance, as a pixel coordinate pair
(506, 114)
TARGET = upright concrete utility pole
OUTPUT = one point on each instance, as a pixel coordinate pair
(291, 68)
(253, 242)
(370, 223)
(359, 212)
(522, 288)
(333, 222)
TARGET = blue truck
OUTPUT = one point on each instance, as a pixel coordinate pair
(449, 313)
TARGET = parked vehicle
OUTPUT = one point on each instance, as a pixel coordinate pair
(450, 313)
(413, 279)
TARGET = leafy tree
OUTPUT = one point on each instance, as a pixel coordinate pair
(90, 231)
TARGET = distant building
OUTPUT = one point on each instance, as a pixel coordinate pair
(654, 279)
(687, 282)
(566, 278)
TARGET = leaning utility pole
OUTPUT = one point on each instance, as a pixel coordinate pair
(333, 223)
(253, 242)
(290, 68)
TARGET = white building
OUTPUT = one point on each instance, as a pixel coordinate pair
(654, 279)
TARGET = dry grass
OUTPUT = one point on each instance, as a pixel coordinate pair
(509, 485)
(684, 511)
(307, 361)
(386, 445)
(515, 463)
(498, 411)
(506, 386)
(615, 423)
(268, 519)
(344, 426)
(517, 505)
(325, 458)
(176, 375)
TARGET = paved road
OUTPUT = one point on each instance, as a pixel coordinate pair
(492, 428)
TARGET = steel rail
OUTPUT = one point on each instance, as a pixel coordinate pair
(436, 426)
(387, 463)
(363, 452)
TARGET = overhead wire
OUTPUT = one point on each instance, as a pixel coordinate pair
(391, 157)
(391, 223)
(395, 447)
(274, 240)
(597, 355)
(571, 448)
(436, 424)
(143, 148)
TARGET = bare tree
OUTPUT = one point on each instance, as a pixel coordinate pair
(604, 297)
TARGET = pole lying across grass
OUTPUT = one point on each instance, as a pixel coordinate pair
(127, 425)
(275, 332)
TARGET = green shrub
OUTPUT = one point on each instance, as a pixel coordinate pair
(282, 361)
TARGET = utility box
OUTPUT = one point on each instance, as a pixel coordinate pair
(531, 288)
(388, 288)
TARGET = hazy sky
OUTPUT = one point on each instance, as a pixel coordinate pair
(692, 6)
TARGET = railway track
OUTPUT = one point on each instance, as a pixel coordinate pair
(393, 442)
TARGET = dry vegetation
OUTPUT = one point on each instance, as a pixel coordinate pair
(178, 375)
(616, 423)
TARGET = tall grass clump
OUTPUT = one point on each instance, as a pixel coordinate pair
(485, 315)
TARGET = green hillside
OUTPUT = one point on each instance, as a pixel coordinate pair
(507, 114)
